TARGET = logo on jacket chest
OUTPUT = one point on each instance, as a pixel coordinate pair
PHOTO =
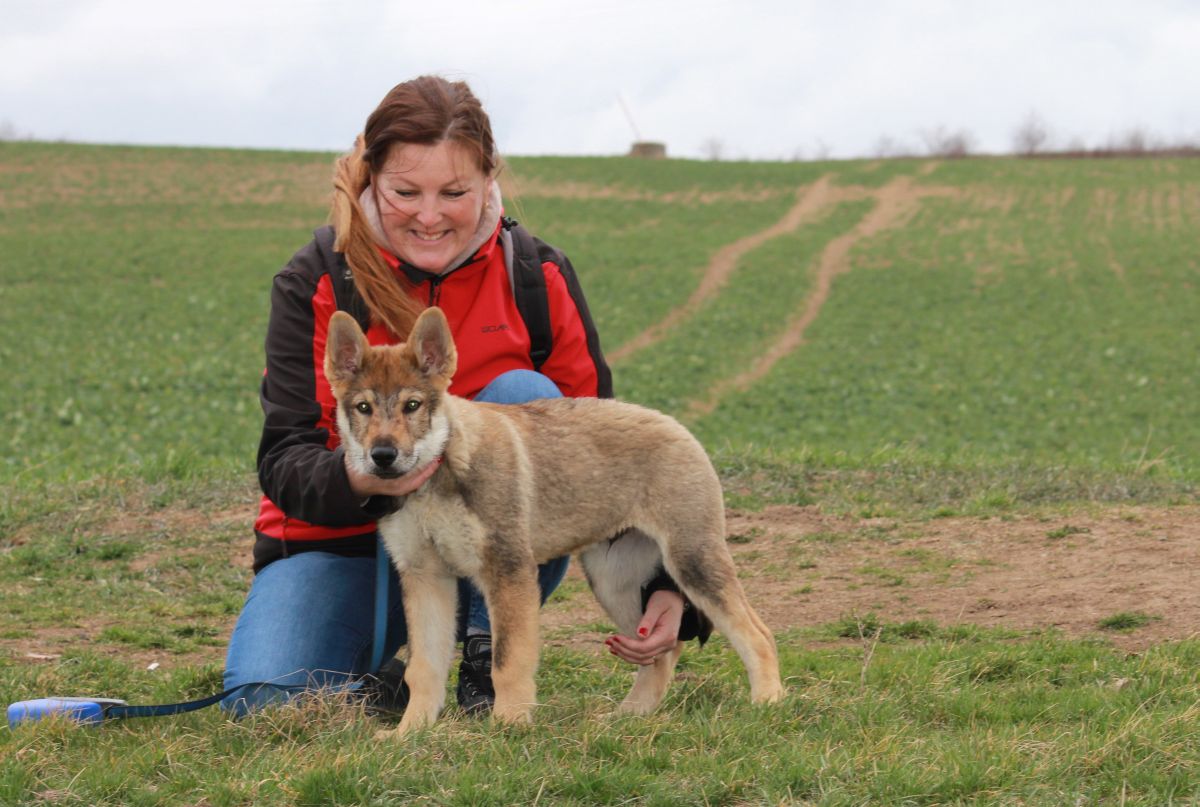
(494, 328)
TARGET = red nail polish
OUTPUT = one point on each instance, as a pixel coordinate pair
(642, 632)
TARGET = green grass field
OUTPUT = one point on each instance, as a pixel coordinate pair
(1028, 340)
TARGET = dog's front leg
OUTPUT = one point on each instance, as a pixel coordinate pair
(430, 601)
(512, 599)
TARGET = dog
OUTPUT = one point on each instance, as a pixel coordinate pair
(520, 484)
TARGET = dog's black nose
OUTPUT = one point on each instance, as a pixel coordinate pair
(384, 456)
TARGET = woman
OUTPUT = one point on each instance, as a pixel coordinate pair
(416, 222)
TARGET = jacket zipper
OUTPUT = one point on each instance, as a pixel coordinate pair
(435, 290)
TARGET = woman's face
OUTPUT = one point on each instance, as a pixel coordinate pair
(430, 201)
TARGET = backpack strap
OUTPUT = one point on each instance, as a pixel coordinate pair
(524, 265)
(342, 279)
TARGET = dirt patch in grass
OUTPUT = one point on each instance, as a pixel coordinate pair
(803, 568)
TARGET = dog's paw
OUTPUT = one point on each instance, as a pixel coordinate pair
(770, 694)
(513, 715)
(414, 719)
(634, 706)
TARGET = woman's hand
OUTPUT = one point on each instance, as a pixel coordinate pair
(657, 632)
(367, 485)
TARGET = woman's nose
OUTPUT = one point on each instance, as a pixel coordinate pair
(428, 213)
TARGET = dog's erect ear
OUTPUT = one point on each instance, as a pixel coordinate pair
(345, 347)
(432, 344)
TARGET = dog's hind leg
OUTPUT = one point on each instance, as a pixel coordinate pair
(705, 572)
(430, 604)
(511, 592)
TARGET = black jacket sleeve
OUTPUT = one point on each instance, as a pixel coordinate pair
(604, 384)
(296, 470)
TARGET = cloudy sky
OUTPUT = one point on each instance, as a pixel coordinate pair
(758, 80)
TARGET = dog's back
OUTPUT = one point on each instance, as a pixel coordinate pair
(585, 469)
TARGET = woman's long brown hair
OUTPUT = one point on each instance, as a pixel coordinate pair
(425, 111)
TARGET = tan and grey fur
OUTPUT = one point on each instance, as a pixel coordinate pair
(519, 485)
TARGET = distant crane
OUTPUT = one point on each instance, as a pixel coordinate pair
(648, 149)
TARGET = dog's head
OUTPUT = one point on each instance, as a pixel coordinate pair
(389, 399)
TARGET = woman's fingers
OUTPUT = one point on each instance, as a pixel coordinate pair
(657, 632)
(365, 485)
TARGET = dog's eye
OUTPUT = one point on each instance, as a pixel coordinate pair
(364, 407)
(412, 405)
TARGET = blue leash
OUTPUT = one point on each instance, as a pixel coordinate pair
(382, 565)
(90, 711)
(96, 710)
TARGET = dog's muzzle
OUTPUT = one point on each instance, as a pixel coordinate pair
(384, 457)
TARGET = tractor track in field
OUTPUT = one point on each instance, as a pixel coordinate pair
(895, 204)
(811, 201)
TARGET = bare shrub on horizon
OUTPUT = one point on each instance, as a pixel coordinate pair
(887, 147)
(1133, 142)
(9, 132)
(941, 142)
(1032, 136)
(713, 149)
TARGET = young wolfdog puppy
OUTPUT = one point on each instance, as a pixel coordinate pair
(519, 485)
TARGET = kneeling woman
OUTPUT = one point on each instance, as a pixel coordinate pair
(416, 222)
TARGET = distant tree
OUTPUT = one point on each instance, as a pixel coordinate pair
(887, 147)
(713, 149)
(1185, 144)
(941, 142)
(8, 131)
(1032, 136)
(1133, 141)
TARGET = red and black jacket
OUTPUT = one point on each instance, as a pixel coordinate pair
(307, 501)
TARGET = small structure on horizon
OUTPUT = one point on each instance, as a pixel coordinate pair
(649, 150)
(646, 149)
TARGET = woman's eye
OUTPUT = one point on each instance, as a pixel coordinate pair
(412, 405)
(364, 407)
(406, 194)
(454, 194)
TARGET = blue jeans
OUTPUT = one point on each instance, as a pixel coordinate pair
(308, 621)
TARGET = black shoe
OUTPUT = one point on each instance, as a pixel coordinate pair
(385, 693)
(476, 695)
